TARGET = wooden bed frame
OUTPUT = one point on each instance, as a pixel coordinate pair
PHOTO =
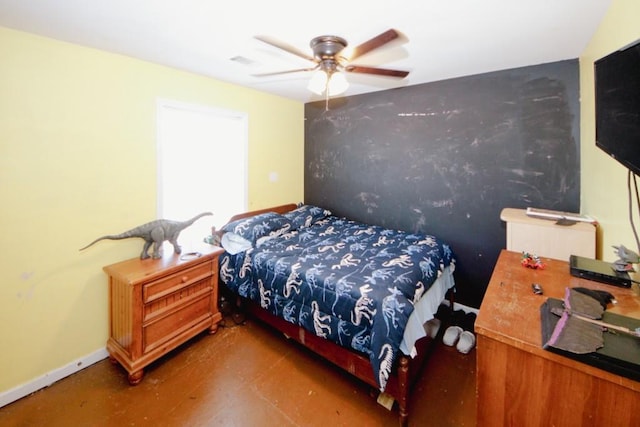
(406, 369)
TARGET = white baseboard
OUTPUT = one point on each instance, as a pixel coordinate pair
(49, 378)
(458, 306)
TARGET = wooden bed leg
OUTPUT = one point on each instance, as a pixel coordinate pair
(403, 389)
(452, 299)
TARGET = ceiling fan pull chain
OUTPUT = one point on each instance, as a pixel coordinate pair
(326, 92)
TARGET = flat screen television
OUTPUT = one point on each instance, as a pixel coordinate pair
(617, 84)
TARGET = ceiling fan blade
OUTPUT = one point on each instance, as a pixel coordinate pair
(374, 43)
(276, 73)
(377, 71)
(284, 46)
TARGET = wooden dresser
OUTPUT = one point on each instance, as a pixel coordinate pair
(521, 384)
(157, 304)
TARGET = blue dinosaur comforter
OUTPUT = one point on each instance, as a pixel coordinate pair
(348, 282)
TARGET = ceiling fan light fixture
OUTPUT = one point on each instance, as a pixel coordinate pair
(318, 82)
(337, 83)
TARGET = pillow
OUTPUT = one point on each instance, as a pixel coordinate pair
(234, 243)
(306, 215)
(255, 227)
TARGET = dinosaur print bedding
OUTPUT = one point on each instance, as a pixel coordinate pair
(351, 283)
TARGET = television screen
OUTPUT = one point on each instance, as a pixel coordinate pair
(617, 84)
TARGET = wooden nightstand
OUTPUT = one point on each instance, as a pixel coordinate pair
(157, 304)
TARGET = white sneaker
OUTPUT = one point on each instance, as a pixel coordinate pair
(451, 335)
(466, 342)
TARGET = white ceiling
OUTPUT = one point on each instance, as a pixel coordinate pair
(441, 38)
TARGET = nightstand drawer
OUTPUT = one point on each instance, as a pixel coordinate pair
(173, 283)
(161, 307)
(176, 322)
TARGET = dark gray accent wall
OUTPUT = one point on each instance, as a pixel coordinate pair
(446, 157)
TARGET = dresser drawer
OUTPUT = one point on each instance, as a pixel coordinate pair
(162, 307)
(175, 322)
(173, 283)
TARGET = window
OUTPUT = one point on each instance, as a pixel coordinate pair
(202, 166)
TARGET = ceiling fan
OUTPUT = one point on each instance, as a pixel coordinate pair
(329, 61)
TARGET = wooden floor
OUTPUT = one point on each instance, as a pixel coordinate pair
(245, 375)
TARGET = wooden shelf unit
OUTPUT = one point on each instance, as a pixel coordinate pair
(157, 304)
(544, 237)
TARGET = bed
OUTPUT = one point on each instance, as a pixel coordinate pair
(356, 294)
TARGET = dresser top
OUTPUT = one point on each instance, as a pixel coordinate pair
(511, 311)
(135, 269)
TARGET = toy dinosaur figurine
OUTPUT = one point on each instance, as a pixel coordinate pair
(626, 259)
(154, 233)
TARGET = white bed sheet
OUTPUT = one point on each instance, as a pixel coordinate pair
(425, 310)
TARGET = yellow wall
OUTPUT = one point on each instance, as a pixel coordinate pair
(604, 180)
(77, 160)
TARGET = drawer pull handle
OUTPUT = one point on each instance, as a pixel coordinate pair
(185, 279)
